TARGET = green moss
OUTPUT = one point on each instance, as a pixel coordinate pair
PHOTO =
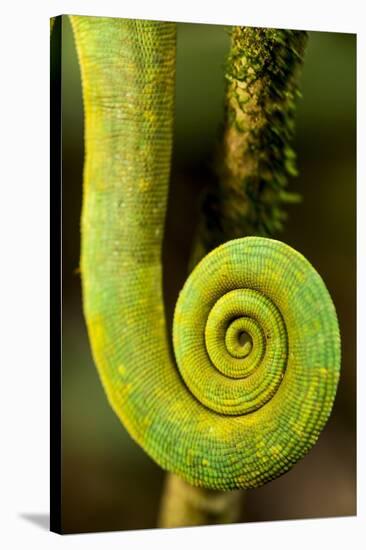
(256, 158)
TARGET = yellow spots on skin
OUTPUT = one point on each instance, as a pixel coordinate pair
(298, 430)
(98, 336)
(300, 276)
(146, 422)
(276, 450)
(190, 457)
(144, 185)
(125, 389)
(150, 116)
(261, 455)
(149, 88)
(178, 316)
(122, 369)
(205, 462)
(323, 372)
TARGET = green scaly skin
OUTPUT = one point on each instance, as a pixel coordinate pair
(231, 415)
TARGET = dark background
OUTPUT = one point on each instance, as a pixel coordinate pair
(108, 482)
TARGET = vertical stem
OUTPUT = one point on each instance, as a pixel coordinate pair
(256, 157)
(184, 505)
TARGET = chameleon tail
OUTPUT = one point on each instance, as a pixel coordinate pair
(232, 414)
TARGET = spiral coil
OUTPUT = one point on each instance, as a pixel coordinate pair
(256, 330)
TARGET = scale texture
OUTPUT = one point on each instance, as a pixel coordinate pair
(229, 414)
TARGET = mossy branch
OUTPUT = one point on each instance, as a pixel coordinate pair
(256, 157)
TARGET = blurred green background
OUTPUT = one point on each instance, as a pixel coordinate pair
(108, 482)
